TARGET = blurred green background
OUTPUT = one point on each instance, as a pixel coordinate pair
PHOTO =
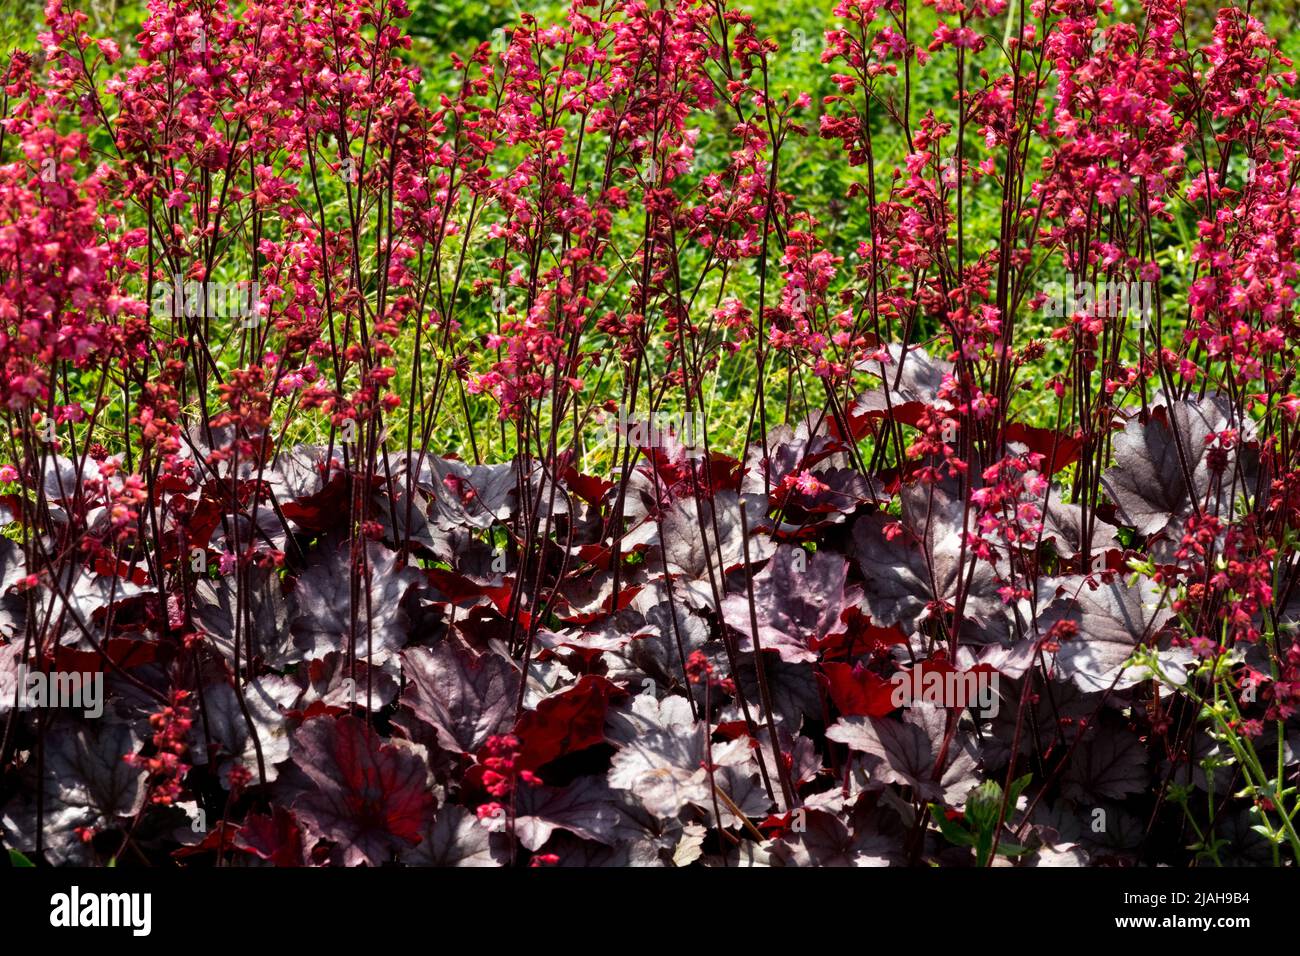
(813, 169)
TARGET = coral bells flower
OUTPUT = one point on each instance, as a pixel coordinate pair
(1009, 506)
(698, 667)
(699, 670)
(240, 778)
(500, 774)
(804, 482)
(1061, 631)
(171, 726)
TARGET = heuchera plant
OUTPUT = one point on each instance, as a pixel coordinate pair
(325, 383)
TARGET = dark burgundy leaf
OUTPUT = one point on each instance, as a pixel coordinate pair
(697, 534)
(1112, 620)
(822, 839)
(1110, 763)
(86, 783)
(465, 697)
(264, 632)
(1162, 470)
(923, 567)
(662, 756)
(796, 597)
(585, 807)
(789, 450)
(368, 797)
(907, 749)
(909, 382)
(227, 727)
(470, 496)
(325, 617)
(457, 838)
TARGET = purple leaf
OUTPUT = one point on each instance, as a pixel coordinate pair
(662, 754)
(586, 807)
(1110, 763)
(697, 535)
(465, 697)
(911, 376)
(908, 749)
(470, 496)
(228, 728)
(1162, 470)
(1113, 619)
(456, 838)
(824, 840)
(265, 628)
(797, 596)
(800, 448)
(371, 798)
(87, 783)
(324, 617)
(925, 567)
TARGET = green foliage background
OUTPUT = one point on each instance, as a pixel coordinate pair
(812, 170)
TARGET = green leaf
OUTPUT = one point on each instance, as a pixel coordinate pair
(1017, 788)
(983, 806)
(953, 832)
(16, 859)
